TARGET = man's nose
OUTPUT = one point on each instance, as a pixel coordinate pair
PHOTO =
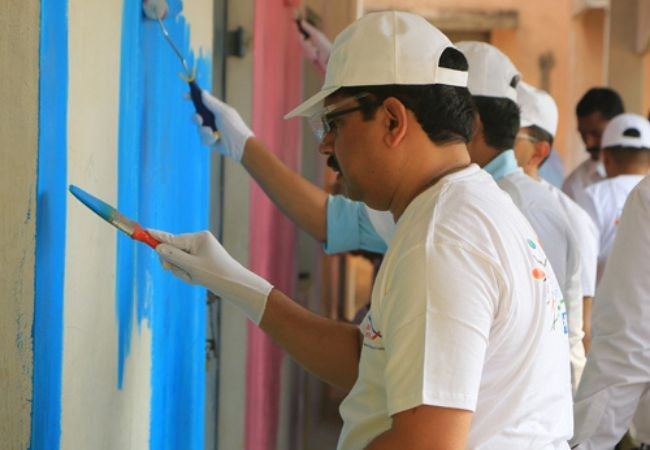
(591, 141)
(325, 146)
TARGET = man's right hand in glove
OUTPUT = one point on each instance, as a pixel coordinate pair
(234, 132)
(198, 258)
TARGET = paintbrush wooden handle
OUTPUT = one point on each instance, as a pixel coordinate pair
(140, 234)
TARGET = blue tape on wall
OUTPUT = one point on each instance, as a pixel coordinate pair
(164, 184)
(50, 226)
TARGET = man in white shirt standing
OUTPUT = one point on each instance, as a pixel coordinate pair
(626, 157)
(539, 118)
(617, 374)
(594, 110)
(465, 345)
(492, 81)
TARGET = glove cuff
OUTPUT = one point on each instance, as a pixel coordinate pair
(249, 293)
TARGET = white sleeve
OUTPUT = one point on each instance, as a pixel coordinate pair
(437, 332)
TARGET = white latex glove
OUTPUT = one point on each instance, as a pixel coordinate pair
(199, 258)
(234, 132)
(316, 47)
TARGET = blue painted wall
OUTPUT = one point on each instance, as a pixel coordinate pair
(164, 183)
(50, 226)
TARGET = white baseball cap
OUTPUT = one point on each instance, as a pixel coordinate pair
(389, 47)
(537, 108)
(491, 73)
(627, 130)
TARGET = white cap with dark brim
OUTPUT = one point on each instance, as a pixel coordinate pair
(385, 48)
(491, 73)
(627, 130)
(537, 108)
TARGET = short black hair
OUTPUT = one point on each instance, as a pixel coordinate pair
(446, 113)
(500, 118)
(626, 156)
(604, 100)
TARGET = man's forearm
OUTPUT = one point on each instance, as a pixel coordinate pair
(327, 348)
(300, 200)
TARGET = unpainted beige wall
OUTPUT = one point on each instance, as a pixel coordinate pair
(235, 238)
(587, 69)
(627, 66)
(19, 45)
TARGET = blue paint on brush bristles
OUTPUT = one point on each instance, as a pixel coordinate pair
(103, 209)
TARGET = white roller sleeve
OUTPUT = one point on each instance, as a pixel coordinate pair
(199, 258)
(155, 9)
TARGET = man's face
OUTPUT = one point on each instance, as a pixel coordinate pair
(591, 129)
(351, 146)
(524, 147)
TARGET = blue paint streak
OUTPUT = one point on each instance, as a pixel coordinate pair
(164, 184)
(50, 226)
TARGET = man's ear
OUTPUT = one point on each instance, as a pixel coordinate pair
(395, 120)
(609, 163)
(541, 152)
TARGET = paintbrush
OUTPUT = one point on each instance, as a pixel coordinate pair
(114, 217)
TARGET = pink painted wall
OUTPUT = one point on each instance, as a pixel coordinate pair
(277, 88)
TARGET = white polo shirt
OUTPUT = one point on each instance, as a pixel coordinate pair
(466, 313)
(604, 202)
(586, 234)
(586, 174)
(549, 220)
(620, 351)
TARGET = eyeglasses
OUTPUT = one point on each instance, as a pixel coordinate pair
(323, 121)
(527, 137)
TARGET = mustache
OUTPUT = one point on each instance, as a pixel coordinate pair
(333, 164)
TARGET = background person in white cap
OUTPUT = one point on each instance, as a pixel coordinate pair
(617, 374)
(465, 344)
(534, 143)
(594, 110)
(626, 157)
(492, 82)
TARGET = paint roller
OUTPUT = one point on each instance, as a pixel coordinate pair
(157, 10)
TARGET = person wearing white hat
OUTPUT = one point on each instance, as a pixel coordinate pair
(594, 110)
(626, 157)
(493, 83)
(616, 379)
(539, 118)
(465, 345)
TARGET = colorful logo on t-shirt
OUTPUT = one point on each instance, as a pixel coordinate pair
(554, 298)
(369, 330)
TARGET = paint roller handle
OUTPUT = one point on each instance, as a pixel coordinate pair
(142, 235)
(201, 109)
(305, 33)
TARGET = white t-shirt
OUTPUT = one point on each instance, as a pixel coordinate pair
(604, 202)
(620, 351)
(546, 215)
(586, 174)
(586, 234)
(466, 313)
